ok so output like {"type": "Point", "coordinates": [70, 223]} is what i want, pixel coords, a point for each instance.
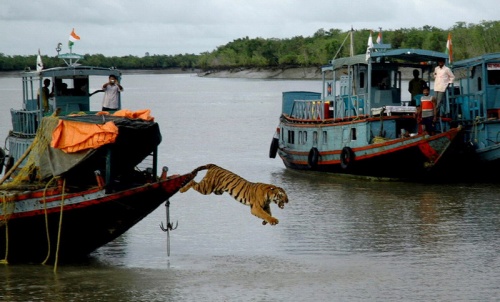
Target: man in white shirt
{"type": "Point", "coordinates": [443, 77]}
{"type": "Point", "coordinates": [111, 94]}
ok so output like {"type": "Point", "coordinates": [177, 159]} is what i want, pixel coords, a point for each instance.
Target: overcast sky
{"type": "Point", "coordinates": [134, 27]}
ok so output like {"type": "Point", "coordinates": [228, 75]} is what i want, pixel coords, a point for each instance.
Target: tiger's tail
{"type": "Point", "coordinates": [204, 167]}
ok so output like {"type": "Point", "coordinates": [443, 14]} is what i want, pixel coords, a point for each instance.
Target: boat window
{"type": "Point", "coordinates": [302, 137]}
{"type": "Point", "coordinates": [315, 138]}
{"type": "Point", "coordinates": [381, 79]}
{"type": "Point", "coordinates": [494, 77]}
{"type": "Point", "coordinates": [353, 134]}
{"type": "Point", "coordinates": [361, 80]}
{"type": "Point", "coordinates": [291, 137]}
{"type": "Point", "coordinates": [325, 140]}
{"type": "Point", "coordinates": [63, 86]}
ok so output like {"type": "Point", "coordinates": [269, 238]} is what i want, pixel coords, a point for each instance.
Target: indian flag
{"type": "Point", "coordinates": [449, 48]}
{"type": "Point", "coordinates": [72, 38]}
{"type": "Point", "coordinates": [379, 38]}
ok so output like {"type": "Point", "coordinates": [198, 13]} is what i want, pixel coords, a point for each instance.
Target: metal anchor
{"type": "Point", "coordinates": [169, 227]}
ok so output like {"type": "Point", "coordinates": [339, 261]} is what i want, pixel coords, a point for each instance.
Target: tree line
{"type": "Point", "coordinates": [468, 40]}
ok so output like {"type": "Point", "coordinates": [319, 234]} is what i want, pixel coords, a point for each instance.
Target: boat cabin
{"type": "Point", "coordinates": [478, 91]}
{"type": "Point", "coordinates": [70, 93]}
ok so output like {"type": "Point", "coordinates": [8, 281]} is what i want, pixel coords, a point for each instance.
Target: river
{"type": "Point", "coordinates": [339, 239]}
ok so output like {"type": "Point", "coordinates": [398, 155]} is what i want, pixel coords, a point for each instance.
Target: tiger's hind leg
{"type": "Point", "coordinates": [188, 186]}
{"type": "Point", "coordinates": [202, 187]}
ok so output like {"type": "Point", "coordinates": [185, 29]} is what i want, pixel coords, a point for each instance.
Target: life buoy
{"type": "Point", "coordinates": [274, 148]}
{"type": "Point", "coordinates": [346, 158]}
{"type": "Point", "coordinates": [312, 158]}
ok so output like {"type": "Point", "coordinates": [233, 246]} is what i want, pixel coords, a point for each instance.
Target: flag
{"type": "Point", "coordinates": [379, 38]}
{"type": "Point", "coordinates": [370, 46]}
{"type": "Point", "coordinates": [39, 63]}
{"type": "Point", "coordinates": [370, 40]}
{"type": "Point", "coordinates": [72, 38]}
{"type": "Point", "coordinates": [449, 48]}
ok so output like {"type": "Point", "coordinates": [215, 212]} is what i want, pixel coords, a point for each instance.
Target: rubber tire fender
{"type": "Point", "coordinates": [346, 158]}
{"type": "Point", "coordinates": [313, 157]}
{"type": "Point", "coordinates": [273, 149]}
{"type": "Point", "coordinates": [2, 160]}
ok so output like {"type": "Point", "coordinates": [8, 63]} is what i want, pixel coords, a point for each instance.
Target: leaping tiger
{"type": "Point", "coordinates": [256, 195]}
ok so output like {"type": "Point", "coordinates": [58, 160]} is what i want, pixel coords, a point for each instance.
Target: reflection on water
{"type": "Point", "coordinates": [339, 238]}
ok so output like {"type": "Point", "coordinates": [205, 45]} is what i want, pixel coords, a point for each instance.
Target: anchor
{"type": "Point", "coordinates": [169, 227]}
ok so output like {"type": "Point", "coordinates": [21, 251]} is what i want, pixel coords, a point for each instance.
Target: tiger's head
{"type": "Point", "coordinates": [278, 196]}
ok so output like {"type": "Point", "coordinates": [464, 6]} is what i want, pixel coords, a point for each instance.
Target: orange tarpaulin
{"type": "Point", "coordinates": [71, 136]}
{"type": "Point", "coordinates": [144, 114]}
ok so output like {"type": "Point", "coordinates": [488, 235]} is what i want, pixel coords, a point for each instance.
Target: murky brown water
{"type": "Point", "coordinates": [339, 239]}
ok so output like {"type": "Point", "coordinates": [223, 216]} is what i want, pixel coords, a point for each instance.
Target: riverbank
{"type": "Point", "coordinates": [300, 73]}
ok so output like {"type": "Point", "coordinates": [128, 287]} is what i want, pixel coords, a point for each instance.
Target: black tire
{"type": "Point", "coordinates": [312, 158]}
{"type": "Point", "coordinates": [2, 160]}
{"type": "Point", "coordinates": [9, 163]}
{"type": "Point", "coordinates": [274, 148]}
{"type": "Point", "coordinates": [346, 158]}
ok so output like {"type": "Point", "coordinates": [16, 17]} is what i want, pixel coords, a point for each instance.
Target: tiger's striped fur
{"type": "Point", "coordinates": [256, 195]}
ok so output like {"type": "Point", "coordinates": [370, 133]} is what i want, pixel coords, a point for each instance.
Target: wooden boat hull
{"type": "Point", "coordinates": [409, 157]}
{"type": "Point", "coordinates": [86, 220]}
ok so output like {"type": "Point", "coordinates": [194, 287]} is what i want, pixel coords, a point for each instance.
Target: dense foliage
{"type": "Point", "coordinates": [468, 40]}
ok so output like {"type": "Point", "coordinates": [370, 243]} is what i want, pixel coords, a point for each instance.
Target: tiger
{"type": "Point", "coordinates": [256, 195]}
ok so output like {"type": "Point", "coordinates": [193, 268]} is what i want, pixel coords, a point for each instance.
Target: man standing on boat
{"type": "Point", "coordinates": [45, 95]}
{"type": "Point", "coordinates": [443, 77]}
{"type": "Point", "coordinates": [415, 86]}
{"type": "Point", "coordinates": [112, 91]}
{"type": "Point", "coordinates": [427, 111]}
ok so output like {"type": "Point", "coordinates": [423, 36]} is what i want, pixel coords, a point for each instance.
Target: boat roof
{"type": "Point", "coordinates": [404, 54]}
{"type": "Point", "coordinates": [68, 71]}
{"type": "Point", "coordinates": [486, 58]}
{"type": "Point", "coordinates": [411, 54]}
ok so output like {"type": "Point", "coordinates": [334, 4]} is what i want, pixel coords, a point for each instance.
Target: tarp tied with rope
{"type": "Point", "coordinates": [72, 145]}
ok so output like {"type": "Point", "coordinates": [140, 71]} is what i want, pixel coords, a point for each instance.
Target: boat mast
{"type": "Point", "coordinates": [351, 50]}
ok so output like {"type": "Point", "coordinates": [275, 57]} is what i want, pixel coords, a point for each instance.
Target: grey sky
{"type": "Point", "coordinates": [134, 27]}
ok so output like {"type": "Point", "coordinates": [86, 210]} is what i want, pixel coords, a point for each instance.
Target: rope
{"type": "Point", "coordinates": [60, 226]}
{"type": "Point", "coordinates": [4, 260]}
{"type": "Point", "coordinates": [47, 219]}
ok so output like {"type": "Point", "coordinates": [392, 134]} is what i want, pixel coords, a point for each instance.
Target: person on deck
{"type": "Point", "coordinates": [427, 111]}
{"type": "Point", "coordinates": [112, 91]}
{"type": "Point", "coordinates": [45, 95]}
{"type": "Point", "coordinates": [443, 77]}
{"type": "Point", "coordinates": [416, 86]}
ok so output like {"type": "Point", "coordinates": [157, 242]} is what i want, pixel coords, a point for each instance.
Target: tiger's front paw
{"type": "Point", "coordinates": [272, 221]}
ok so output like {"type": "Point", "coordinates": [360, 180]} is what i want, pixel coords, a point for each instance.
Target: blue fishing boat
{"type": "Point", "coordinates": [475, 104]}
{"type": "Point", "coordinates": [360, 123]}
{"type": "Point", "coordinates": [74, 179]}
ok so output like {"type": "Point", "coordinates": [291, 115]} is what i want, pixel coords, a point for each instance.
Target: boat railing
{"type": "Point", "coordinates": [350, 106]}
{"type": "Point", "coordinates": [310, 109]}
{"type": "Point", "coordinates": [468, 107]}
{"type": "Point", "coordinates": [338, 107]}
{"type": "Point", "coordinates": [24, 122]}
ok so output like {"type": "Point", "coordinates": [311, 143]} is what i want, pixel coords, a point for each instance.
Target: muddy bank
{"type": "Point", "coordinates": [312, 73]}
{"type": "Point", "coordinates": [260, 73]}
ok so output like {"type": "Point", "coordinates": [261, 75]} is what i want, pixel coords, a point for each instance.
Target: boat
{"type": "Point", "coordinates": [360, 123]}
{"type": "Point", "coordinates": [475, 104]}
{"type": "Point", "coordinates": [75, 179]}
